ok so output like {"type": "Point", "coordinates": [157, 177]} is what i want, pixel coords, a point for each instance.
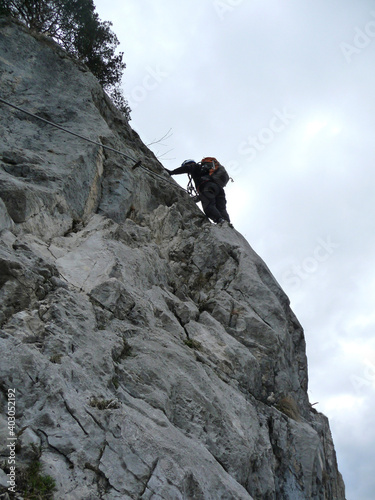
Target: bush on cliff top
{"type": "Point", "coordinates": [76, 26]}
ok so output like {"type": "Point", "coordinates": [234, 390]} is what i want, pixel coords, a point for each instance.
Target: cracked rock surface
{"type": "Point", "coordinates": [153, 354]}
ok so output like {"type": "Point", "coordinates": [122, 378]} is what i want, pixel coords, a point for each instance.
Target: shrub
{"type": "Point", "coordinates": [193, 344]}
{"type": "Point", "coordinates": [288, 406]}
{"type": "Point", "coordinates": [56, 358]}
{"type": "Point", "coordinates": [104, 404]}
{"type": "Point", "coordinates": [35, 485]}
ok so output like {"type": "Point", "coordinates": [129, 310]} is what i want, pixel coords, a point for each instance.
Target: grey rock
{"type": "Point", "coordinates": [153, 354]}
{"type": "Point", "coordinates": [113, 296]}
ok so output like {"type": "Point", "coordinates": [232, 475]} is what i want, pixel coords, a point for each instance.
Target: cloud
{"type": "Point", "coordinates": [218, 74]}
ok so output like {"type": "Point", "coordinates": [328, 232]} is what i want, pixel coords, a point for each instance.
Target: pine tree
{"type": "Point", "coordinates": [76, 26]}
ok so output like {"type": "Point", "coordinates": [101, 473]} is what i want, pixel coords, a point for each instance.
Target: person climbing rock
{"type": "Point", "coordinates": [209, 178]}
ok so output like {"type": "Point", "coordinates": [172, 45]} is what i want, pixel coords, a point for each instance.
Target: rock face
{"type": "Point", "coordinates": [152, 353]}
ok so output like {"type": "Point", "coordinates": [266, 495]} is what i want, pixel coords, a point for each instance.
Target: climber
{"type": "Point", "coordinates": [209, 178]}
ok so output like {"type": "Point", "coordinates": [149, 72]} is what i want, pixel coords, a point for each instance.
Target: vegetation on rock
{"type": "Point", "coordinates": [76, 26]}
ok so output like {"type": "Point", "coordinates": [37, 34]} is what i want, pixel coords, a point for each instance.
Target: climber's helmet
{"type": "Point", "coordinates": [187, 162]}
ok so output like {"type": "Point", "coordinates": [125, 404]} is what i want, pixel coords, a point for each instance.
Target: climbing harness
{"type": "Point", "coordinates": [192, 192]}
{"type": "Point", "coordinates": [137, 164]}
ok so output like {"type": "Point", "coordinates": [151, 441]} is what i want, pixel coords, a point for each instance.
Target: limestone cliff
{"type": "Point", "coordinates": [152, 353]}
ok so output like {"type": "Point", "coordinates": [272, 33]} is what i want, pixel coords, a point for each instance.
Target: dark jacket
{"type": "Point", "coordinates": [211, 194]}
{"type": "Point", "coordinates": [194, 170]}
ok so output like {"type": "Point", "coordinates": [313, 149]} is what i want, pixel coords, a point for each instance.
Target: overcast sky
{"type": "Point", "coordinates": [282, 93]}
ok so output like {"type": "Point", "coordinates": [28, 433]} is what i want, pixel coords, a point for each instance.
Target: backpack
{"type": "Point", "coordinates": [214, 171]}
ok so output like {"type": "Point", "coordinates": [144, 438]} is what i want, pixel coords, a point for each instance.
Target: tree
{"type": "Point", "coordinates": [76, 26]}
